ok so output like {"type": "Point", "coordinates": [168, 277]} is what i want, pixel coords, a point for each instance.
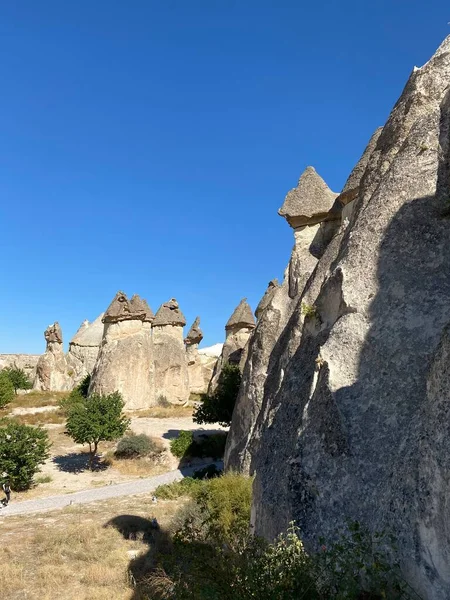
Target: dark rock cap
{"type": "Point", "coordinates": [309, 202]}
{"type": "Point", "coordinates": [241, 317]}
{"type": "Point", "coordinates": [169, 313]}
{"type": "Point", "coordinates": [53, 333]}
{"type": "Point", "coordinates": [122, 309]}
{"type": "Point", "coordinates": [195, 334]}
{"type": "Point", "coordinates": [265, 300]}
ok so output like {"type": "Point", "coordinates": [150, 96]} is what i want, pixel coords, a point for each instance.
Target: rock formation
{"type": "Point", "coordinates": [303, 208]}
{"type": "Point", "coordinates": [200, 366]}
{"type": "Point", "coordinates": [27, 362]}
{"type": "Point", "coordinates": [171, 365]}
{"type": "Point", "coordinates": [84, 348]}
{"type": "Point", "coordinates": [352, 420]}
{"type": "Point", "coordinates": [52, 371]}
{"type": "Point", "coordinates": [237, 332]}
{"type": "Point", "coordinates": [125, 359]}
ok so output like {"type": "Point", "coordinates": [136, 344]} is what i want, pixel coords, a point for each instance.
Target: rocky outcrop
{"type": "Point", "coordinates": [52, 371]}
{"type": "Point", "coordinates": [27, 362]}
{"type": "Point", "coordinates": [352, 422]}
{"type": "Point", "coordinates": [312, 199]}
{"type": "Point", "coordinates": [125, 359]}
{"type": "Point", "coordinates": [171, 365]}
{"type": "Point", "coordinates": [200, 366]}
{"type": "Point", "coordinates": [237, 332]}
{"type": "Point", "coordinates": [84, 348]}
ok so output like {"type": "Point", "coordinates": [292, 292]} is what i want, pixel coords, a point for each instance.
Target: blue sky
{"type": "Point", "coordinates": [147, 146]}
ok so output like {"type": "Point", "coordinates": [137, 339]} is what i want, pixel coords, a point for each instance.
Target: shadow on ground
{"type": "Point", "coordinates": [133, 527]}
{"type": "Point", "coordinates": [77, 462]}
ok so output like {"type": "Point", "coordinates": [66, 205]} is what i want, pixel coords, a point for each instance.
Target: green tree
{"type": "Point", "coordinates": [22, 450]}
{"type": "Point", "coordinates": [77, 395]}
{"type": "Point", "coordinates": [218, 408]}
{"type": "Point", "coordinates": [6, 389]}
{"type": "Point", "coordinates": [18, 378]}
{"type": "Point", "coordinates": [96, 419]}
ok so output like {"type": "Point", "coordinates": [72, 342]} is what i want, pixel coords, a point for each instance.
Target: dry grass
{"type": "Point", "coordinates": [36, 399]}
{"type": "Point", "coordinates": [42, 418]}
{"type": "Point", "coordinates": [162, 412]}
{"type": "Point", "coordinates": [71, 554]}
{"type": "Point", "coordinates": [137, 467]}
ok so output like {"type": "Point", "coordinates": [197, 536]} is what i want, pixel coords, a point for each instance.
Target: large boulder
{"type": "Point", "coordinates": [125, 358]}
{"type": "Point", "coordinates": [84, 348]}
{"type": "Point", "coordinates": [52, 371]}
{"type": "Point", "coordinates": [353, 423]}
{"type": "Point", "coordinates": [171, 365]}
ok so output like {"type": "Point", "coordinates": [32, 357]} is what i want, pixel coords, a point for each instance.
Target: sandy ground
{"type": "Point", "coordinates": [67, 466]}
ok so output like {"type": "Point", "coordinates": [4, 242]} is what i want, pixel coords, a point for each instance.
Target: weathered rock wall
{"type": "Point", "coordinates": [354, 412]}
{"type": "Point", "coordinates": [171, 370]}
{"type": "Point", "coordinates": [125, 363]}
{"type": "Point", "coordinates": [27, 362]}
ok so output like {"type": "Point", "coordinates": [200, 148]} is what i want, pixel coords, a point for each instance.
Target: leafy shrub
{"type": "Point", "coordinates": [218, 408]}
{"type": "Point", "coordinates": [309, 311]}
{"type": "Point", "coordinates": [77, 395]}
{"type": "Point", "coordinates": [22, 450]}
{"type": "Point", "coordinates": [134, 446]}
{"type": "Point", "coordinates": [18, 378]}
{"type": "Point", "coordinates": [83, 386]}
{"type": "Point", "coordinates": [179, 446]}
{"type": "Point", "coordinates": [172, 491]}
{"type": "Point", "coordinates": [95, 419]}
{"type": "Point", "coordinates": [211, 446]}
{"type": "Point", "coordinates": [6, 389]}
{"type": "Point", "coordinates": [185, 446]}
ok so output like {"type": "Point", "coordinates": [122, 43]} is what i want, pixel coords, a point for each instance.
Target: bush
{"type": "Point", "coordinates": [184, 446]}
{"type": "Point", "coordinates": [180, 445]}
{"type": "Point", "coordinates": [95, 419]}
{"type": "Point", "coordinates": [6, 389]}
{"type": "Point", "coordinates": [18, 378]}
{"type": "Point", "coordinates": [218, 408]}
{"type": "Point", "coordinates": [83, 386]}
{"type": "Point", "coordinates": [136, 446]}
{"type": "Point", "coordinates": [22, 450]}
{"type": "Point", "coordinates": [172, 491]}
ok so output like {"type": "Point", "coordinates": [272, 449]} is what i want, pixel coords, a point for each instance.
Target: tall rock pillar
{"type": "Point", "coordinates": [125, 359]}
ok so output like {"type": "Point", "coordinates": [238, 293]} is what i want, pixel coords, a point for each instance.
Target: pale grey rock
{"type": "Point", "coordinates": [125, 359]}
{"type": "Point", "coordinates": [27, 362]}
{"type": "Point", "coordinates": [310, 202]}
{"type": "Point", "coordinates": [52, 371]}
{"type": "Point", "coordinates": [355, 408]}
{"type": "Point", "coordinates": [84, 348]}
{"type": "Point", "coordinates": [238, 330]}
{"type": "Point", "coordinates": [171, 363]}
{"type": "Point", "coordinates": [266, 299]}
{"type": "Point", "coordinates": [200, 366]}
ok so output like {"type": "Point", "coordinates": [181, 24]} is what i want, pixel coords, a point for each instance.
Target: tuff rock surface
{"type": "Point", "coordinates": [27, 362]}
{"type": "Point", "coordinates": [52, 371]}
{"type": "Point", "coordinates": [171, 364]}
{"type": "Point", "coordinates": [200, 366]}
{"type": "Point", "coordinates": [84, 347]}
{"type": "Point", "coordinates": [125, 359]}
{"type": "Point", "coordinates": [353, 419]}
{"type": "Point", "coordinates": [238, 330]}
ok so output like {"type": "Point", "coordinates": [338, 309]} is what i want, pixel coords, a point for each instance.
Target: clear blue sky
{"type": "Point", "coordinates": [147, 145]}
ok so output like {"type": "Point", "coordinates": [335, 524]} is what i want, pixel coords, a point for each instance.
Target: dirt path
{"type": "Point", "coordinates": [130, 488]}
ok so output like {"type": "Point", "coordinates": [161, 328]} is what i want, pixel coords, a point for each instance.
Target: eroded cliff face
{"type": "Point", "coordinates": [125, 359]}
{"type": "Point", "coordinates": [352, 421]}
{"type": "Point", "coordinates": [52, 371]}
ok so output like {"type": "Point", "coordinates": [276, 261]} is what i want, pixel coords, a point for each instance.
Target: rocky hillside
{"type": "Point", "coordinates": [344, 406]}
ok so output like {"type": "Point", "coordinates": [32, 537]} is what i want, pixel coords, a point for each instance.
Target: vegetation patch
{"type": "Point", "coordinates": [219, 406]}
